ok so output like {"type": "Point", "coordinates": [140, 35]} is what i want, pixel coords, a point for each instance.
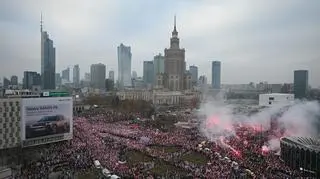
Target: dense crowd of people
{"type": "Point", "coordinates": [102, 135]}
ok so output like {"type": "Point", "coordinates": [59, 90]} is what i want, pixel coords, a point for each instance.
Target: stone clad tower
{"type": "Point", "coordinates": [175, 65]}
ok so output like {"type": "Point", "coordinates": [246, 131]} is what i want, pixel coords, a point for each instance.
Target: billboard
{"type": "Point", "coordinates": [46, 120]}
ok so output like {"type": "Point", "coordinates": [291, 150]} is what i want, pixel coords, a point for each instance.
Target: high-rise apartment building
{"type": "Point", "coordinates": [31, 79]}
{"type": "Point", "coordinates": [98, 76]}
{"type": "Point", "coordinates": [216, 75]}
{"type": "Point", "coordinates": [48, 61]}
{"type": "Point", "coordinates": [194, 75]}
{"type": "Point", "coordinates": [14, 80]}
{"type": "Point", "coordinates": [301, 83]}
{"type": "Point", "coordinates": [111, 75]}
{"type": "Point", "coordinates": [124, 66]}
{"type": "Point", "coordinates": [148, 73]}
{"type": "Point", "coordinates": [76, 76]}
{"type": "Point", "coordinates": [175, 65]}
{"type": "Point", "coordinates": [66, 74]}
{"type": "Point", "coordinates": [158, 65]}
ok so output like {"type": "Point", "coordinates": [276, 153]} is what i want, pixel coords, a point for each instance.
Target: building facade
{"type": "Point", "coordinates": [158, 66]}
{"type": "Point", "coordinates": [66, 74]}
{"type": "Point", "coordinates": [14, 80]}
{"type": "Point", "coordinates": [58, 79]}
{"type": "Point", "coordinates": [98, 76]}
{"type": "Point", "coordinates": [48, 62]}
{"type": "Point", "coordinates": [194, 75]}
{"type": "Point", "coordinates": [111, 75]}
{"type": "Point", "coordinates": [10, 123]}
{"type": "Point", "coordinates": [76, 76]}
{"type": "Point", "coordinates": [216, 75]}
{"type": "Point", "coordinates": [301, 83]}
{"type": "Point", "coordinates": [124, 66]}
{"type": "Point", "coordinates": [148, 73]}
{"type": "Point", "coordinates": [31, 79]}
{"type": "Point", "coordinates": [175, 65]}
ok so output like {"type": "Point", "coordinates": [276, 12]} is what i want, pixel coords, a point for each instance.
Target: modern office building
{"type": "Point", "coordinates": [158, 65]}
{"type": "Point", "coordinates": [111, 75]}
{"type": "Point", "coordinates": [216, 75]}
{"type": "Point", "coordinates": [134, 75]}
{"type": "Point", "coordinates": [87, 77]}
{"type": "Point", "coordinates": [202, 81]}
{"type": "Point", "coordinates": [76, 76]}
{"type": "Point", "coordinates": [48, 61]}
{"type": "Point", "coordinates": [98, 76]}
{"type": "Point", "coordinates": [175, 65]}
{"type": "Point", "coordinates": [148, 73]}
{"type": "Point", "coordinates": [194, 75]}
{"type": "Point", "coordinates": [301, 83]}
{"type": "Point", "coordinates": [6, 83]}
{"type": "Point", "coordinates": [124, 66]}
{"type": "Point", "coordinates": [30, 79]}
{"type": "Point", "coordinates": [14, 80]}
{"type": "Point", "coordinates": [58, 79]}
{"type": "Point", "coordinates": [66, 74]}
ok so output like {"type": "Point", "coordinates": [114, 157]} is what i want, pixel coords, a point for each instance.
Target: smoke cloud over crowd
{"type": "Point", "coordinates": [298, 119]}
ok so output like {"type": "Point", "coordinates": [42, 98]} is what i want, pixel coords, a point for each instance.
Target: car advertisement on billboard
{"type": "Point", "coordinates": [46, 120]}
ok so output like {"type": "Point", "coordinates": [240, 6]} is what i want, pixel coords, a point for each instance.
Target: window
{"type": "Point", "coordinates": [11, 114]}
{"type": "Point", "coordinates": [6, 109]}
{"type": "Point", "coordinates": [1, 142]}
{"type": "Point", "coordinates": [12, 108]}
{"type": "Point", "coordinates": [0, 131]}
{"type": "Point", "coordinates": [10, 103]}
{"type": "Point", "coordinates": [271, 98]}
{"type": "Point", "coordinates": [0, 109]}
{"type": "Point", "coordinates": [270, 102]}
{"type": "Point", "coordinates": [0, 119]}
{"type": "Point", "coordinates": [4, 114]}
{"type": "Point", "coordinates": [17, 103]}
{"type": "Point", "coordinates": [4, 103]}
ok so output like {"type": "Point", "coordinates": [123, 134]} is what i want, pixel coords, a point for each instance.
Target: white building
{"type": "Point", "coordinates": [275, 98]}
{"type": "Point", "coordinates": [124, 66]}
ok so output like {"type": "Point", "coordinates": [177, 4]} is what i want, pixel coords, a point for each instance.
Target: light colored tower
{"type": "Point", "coordinates": [76, 76]}
{"type": "Point", "coordinates": [216, 75]}
{"type": "Point", "coordinates": [98, 76]}
{"type": "Point", "coordinates": [124, 66]}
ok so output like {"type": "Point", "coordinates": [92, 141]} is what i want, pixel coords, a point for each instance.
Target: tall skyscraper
{"type": "Point", "coordinates": [58, 79]}
{"type": "Point", "coordinates": [158, 65]}
{"type": "Point", "coordinates": [48, 61]}
{"type": "Point", "coordinates": [30, 79]}
{"type": "Point", "coordinates": [6, 83]}
{"type": "Point", "coordinates": [76, 76]}
{"type": "Point", "coordinates": [98, 76]}
{"type": "Point", "coordinates": [14, 80]}
{"type": "Point", "coordinates": [87, 77]}
{"type": "Point", "coordinates": [111, 75]}
{"type": "Point", "coordinates": [124, 66]}
{"type": "Point", "coordinates": [194, 75]}
{"type": "Point", "coordinates": [175, 65]}
{"type": "Point", "coordinates": [134, 75]}
{"type": "Point", "coordinates": [66, 74]}
{"type": "Point", "coordinates": [301, 82]}
{"type": "Point", "coordinates": [216, 75]}
{"type": "Point", "coordinates": [148, 73]}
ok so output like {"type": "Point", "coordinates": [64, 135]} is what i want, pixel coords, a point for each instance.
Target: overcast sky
{"type": "Point", "coordinates": [256, 40]}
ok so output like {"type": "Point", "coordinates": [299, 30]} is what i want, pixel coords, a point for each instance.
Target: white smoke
{"type": "Point", "coordinates": [299, 119]}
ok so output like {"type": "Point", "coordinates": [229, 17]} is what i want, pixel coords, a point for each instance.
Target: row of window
{"type": "Point", "coordinates": [6, 141]}
{"type": "Point", "coordinates": [6, 109]}
{"type": "Point", "coordinates": [10, 114]}
{"type": "Point", "coordinates": [11, 103]}
{"type": "Point", "coordinates": [6, 120]}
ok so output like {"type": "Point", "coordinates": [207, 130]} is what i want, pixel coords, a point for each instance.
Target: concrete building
{"type": "Point", "coordinates": [158, 66]}
{"type": "Point", "coordinates": [272, 99]}
{"type": "Point", "coordinates": [14, 80]}
{"type": "Point", "coordinates": [48, 61]}
{"type": "Point", "coordinates": [10, 123]}
{"type": "Point", "coordinates": [138, 83]}
{"type": "Point", "coordinates": [58, 80]}
{"type": "Point", "coordinates": [111, 75]}
{"type": "Point", "coordinates": [76, 76]}
{"type": "Point", "coordinates": [98, 76]}
{"type": "Point", "coordinates": [194, 75]}
{"type": "Point", "coordinates": [124, 66]}
{"type": "Point", "coordinates": [216, 75]}
{"type": "Point", "coordinates": [6, 83]}
{"type": "Point", "coordinates": [187, 81]}
{"type": "Point", "coordinates": [66, 74]}
{"type": "Point", "coordinates": [203, 81]}
{"type": "Point", "coordinates": [148, 73]}
{"type": "Point", "coordinates": [175, 65]}
{"type": "Point", "coordinates": [31, 79]}
{"type": "Point", "coordinates": [301, 83]}
{"type": "Point", "coordinates": [134, 75]}
{"type": "Point", "coordinates": [87, 77]}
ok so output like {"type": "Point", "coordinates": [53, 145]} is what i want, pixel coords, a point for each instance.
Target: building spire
{"type": "Point", "coordinates": [175, 32]}
{"type": "Point", "coordinates": [175, 27]}
{"type": "Point", "coordinates": [41, 22]}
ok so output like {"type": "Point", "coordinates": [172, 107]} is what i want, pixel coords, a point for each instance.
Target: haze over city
{"type": "Point", "coordinates": [254, 40]}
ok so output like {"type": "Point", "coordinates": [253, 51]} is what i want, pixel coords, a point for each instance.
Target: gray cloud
{"type": "Point", "coordinates": [255, 40]}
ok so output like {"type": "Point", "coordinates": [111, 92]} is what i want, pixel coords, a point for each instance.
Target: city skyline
{"type": "Point", "coordinates": [251, 36]}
